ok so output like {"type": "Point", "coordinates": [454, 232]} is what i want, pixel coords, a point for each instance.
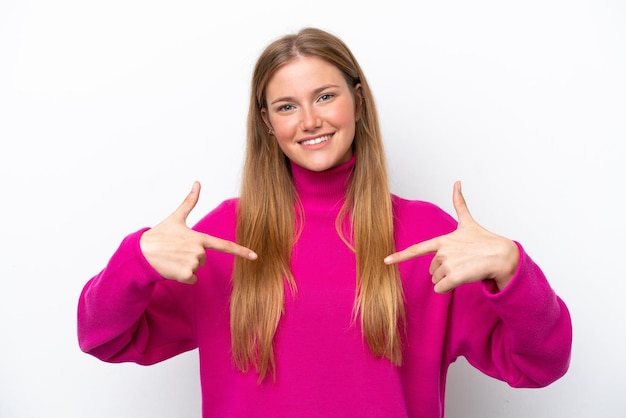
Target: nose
{"type": "Point", "coordinates": [310, 119]}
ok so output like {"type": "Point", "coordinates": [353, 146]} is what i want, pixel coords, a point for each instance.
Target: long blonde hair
{"type": "Point", "coordinates": [268, 210]}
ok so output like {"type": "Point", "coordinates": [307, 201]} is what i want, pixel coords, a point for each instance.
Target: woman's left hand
{"type": "Point", "coordinates": [469, 254]}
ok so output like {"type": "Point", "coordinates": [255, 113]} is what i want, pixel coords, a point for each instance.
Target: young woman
{"type": "Point", "coordinates": [301, 303]}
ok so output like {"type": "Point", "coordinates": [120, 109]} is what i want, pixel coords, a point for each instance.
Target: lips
{"type": "Point", "coordinates": [317, 140]}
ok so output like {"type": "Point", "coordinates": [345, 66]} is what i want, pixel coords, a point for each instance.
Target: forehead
{"type": "Point", "coordinates": [303, 75]}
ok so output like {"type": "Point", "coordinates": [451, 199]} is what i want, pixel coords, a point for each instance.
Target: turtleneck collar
{"type": "Point", "coordinates": [323, 190]}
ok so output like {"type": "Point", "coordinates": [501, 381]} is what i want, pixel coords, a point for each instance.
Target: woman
{"type": "Point", "coordinates": [300, 304]}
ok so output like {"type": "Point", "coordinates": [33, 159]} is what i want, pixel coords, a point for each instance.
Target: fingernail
{"type": "Point", "coordinates": [252, 255]}
{"type": "Point", "coordinates": [388, 260]}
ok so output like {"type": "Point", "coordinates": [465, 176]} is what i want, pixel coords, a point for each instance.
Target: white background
{"type": "Point", "coordinates": [110, 110]}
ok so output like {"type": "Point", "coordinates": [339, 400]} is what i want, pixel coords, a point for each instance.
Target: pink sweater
{"type": "Point", "coordinates": [521, 335]}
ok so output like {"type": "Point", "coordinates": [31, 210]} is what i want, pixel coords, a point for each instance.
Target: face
{"type": "Point", "coordinates": [311, 111]}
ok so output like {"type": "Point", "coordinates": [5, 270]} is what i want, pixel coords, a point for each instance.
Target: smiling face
{"type": "Point", "coordinates": [312, 112]}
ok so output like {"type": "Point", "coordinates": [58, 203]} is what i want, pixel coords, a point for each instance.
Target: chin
{"type": "Point", "coordinates": [320, 166]}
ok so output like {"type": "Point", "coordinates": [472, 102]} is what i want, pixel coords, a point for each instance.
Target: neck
{"type": "Point", "coordinates": [323, 190]}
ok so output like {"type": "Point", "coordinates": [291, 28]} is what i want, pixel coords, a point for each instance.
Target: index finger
{"type": "Point", "coordinates": [416, 250]}
{"type": "Point", "coordinates": [225, 246]}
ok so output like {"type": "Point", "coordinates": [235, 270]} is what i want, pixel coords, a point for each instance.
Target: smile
{"type": "Point", "coordinates": [316, 140]}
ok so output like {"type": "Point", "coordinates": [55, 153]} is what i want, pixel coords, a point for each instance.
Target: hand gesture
{"type": "Point", "coordinates": [176, 251]}
{"type": "Point", "coordinates": [469, 254]}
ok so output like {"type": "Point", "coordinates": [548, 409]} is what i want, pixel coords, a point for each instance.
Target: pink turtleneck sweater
{"type": "Point", "coordinates": [521, 335]}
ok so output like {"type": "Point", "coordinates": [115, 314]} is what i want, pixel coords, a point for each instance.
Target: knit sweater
{"type": "Point", "coordinates": [324, 368]}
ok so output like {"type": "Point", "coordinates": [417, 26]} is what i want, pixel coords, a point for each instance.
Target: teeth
{"type": "Point", "coordinates": [316, 140]}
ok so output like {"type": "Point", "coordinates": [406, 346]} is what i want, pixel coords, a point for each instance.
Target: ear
{"type": "Point", "coordinates": [266, 118]}
{"type": "Point", "coordinates": [358, 102]}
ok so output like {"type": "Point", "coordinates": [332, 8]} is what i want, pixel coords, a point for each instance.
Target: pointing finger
{"type": "Point", "coordinates": [417, 250]}
{"type": "Point", "coordinates": [225, 246]}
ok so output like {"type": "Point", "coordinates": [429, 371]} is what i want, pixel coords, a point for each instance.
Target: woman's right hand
{"type": "Point", "coordinates": [176, 251]}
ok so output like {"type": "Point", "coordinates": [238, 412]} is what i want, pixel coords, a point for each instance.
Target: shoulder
{"type": "Point", "coordinates": [220, 221]}
{"type": "Point", "coordinates": [421, 218]}
{"type": "Point", "coordinates": [426, 211]}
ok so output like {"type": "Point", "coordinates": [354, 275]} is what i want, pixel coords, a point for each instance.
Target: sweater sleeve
{"type": "Point", "coordinates": [128, 312]}
{"type": "Point", "coordinates": [521, 334]}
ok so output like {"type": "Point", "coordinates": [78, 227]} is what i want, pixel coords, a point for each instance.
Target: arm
{"type": "Point", "coordinates": [521, 334]}
{"type": "Point", "coordinates": [503, 315]}
{"type": "Point", "coordinates": [128, 312]}
{"type": "Point", "coordinates": [139, 307]}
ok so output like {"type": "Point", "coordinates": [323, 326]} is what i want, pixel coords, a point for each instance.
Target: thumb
{"type": "Point", "coordinates": [460, 206]}
{"type": "Point", "coordinates": [185, 208]}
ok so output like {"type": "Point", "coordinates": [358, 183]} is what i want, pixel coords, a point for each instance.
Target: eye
{"type": "Point", "coordinates": [285, 108]}
{"type": "Point", "coordinates": [326, 97]}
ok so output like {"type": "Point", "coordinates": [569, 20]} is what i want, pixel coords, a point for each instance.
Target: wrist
{"type": "Point", "coordinates": [510, 259]}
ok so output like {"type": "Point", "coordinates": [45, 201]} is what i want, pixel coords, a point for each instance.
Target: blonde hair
{"type": "Point", "coordinates": [268, 210]}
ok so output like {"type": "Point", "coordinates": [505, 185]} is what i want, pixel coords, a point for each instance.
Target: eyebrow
{"type": "Point", "coordinates": [315, 92]}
